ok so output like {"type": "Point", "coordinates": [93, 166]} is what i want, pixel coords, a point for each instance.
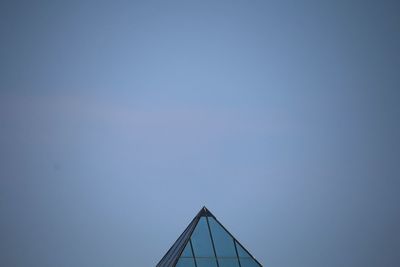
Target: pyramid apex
{"type": "Point", "coordinates": [204, 212]}
{"type": "Point", "coordinates": [194, 239]}
{"type": "Point", "coordinates": [205, 232]}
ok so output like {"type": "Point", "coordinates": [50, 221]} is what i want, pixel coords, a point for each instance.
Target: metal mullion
{"type": "Point", "coordinates": [212, 241]}
{"type": "Point", "coordinates": [251, 256]}
{"type": "Point", "coordinates": [237, 254]}
{"type": "Point", "coordinates": [191, 247]}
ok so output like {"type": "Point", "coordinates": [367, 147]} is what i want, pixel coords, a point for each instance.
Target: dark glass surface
{"type": "Point", "coordinates": [206, 262]}
{"type": "Point", "coordinates": [223, 241]}
{"type": "Point", "coordinates": [228, 262]}
{"type": "Point", "coordinates": [201, 240]}
{"type": "Point", "coordinates": [248, 262]}
{"type": "Point", "coordinates": [185, 262]}
{"type": "Point", "coordinates": [245, 259]}
{"type": "Point", "coordinates": [187, 252]}
{"type": "Point", "coordinates": [174, 252]}
{"type": "Point", "coordinates": [241, 251]}
{"type": "Point", "coordinates": [206, 243]}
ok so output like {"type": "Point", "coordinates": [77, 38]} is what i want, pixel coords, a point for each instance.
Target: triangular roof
{"type": "Point", "coordinates": [206, 243]}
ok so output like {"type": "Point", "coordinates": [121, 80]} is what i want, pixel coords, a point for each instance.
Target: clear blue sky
{"type": "Point", "coordinates": [119, 120]}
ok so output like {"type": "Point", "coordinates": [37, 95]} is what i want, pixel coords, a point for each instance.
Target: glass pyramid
{"type": "Point", "coordinates": [206, 243]}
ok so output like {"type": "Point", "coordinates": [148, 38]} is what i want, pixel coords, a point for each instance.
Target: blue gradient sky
{"type": "Point", "coordinates": [119, 120]}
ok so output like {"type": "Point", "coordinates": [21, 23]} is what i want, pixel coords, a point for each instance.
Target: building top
{"type": "Point", "coordinates": [207, 243]}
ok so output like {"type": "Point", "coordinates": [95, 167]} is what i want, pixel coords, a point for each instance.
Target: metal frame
{"type": "Point", "coordinates": [172, 256]}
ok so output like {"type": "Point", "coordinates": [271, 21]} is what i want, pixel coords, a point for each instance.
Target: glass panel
{"type": "Point", "coordinates": [206, 262]}
{"type": "Point", "coordinates": [248, 262]}
{"type": "Point", "coordinates": [185, 262]}
{"type": "Point", "coordinates": [224, 246]}
{"type": "Point", "coordinates": [241, 251]}
{"type": "Point", "coordinates": [201, 240]}
{"type": "Point", "coordinates": [187, 252]}
{"type": "Point", "coordinates": [228, 262]}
